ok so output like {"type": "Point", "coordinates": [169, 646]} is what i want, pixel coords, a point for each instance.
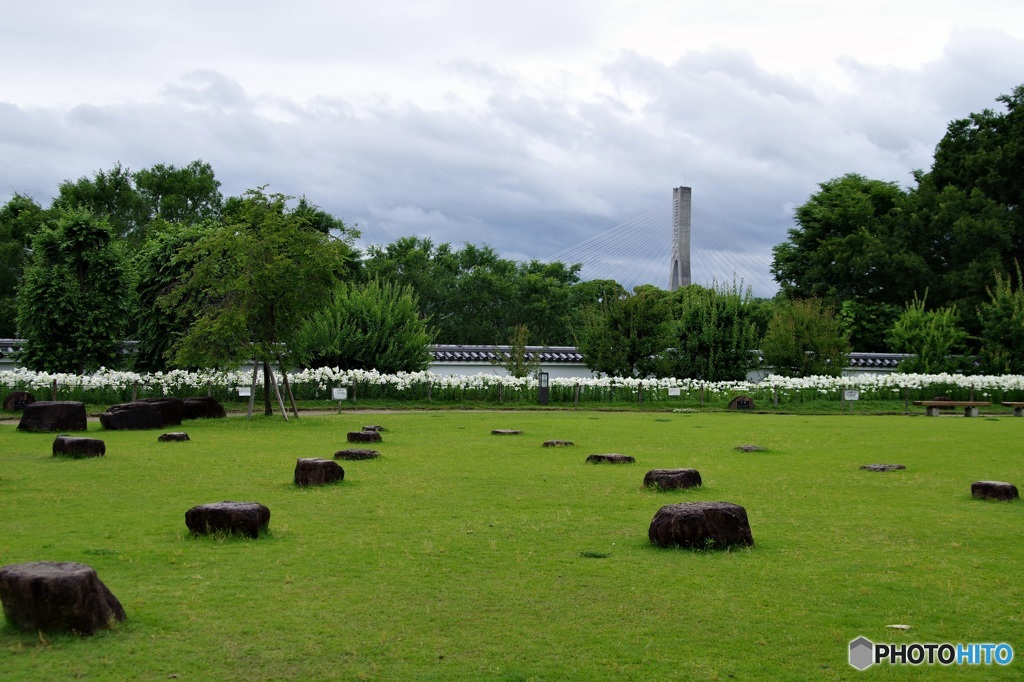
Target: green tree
{"type": "Point", "coordinates": [713, 337]}
{"type": "Point", "coordinates": [623, 335]}
{"type": "Point", "coordinates": [1002, 326]}
{"type": "Point", "coordinates": [20, 219]}
{"type": "Point", "coordinates": [74, 300]}
{"type": "Point", "coordinates": [370, 325]}
{"type": "Point", "coordinates": [257, 276]}
{"type": "Point", "coordinates": [162, 263]}
{"type": "Point", "coordinates": [110, 195]}
{"type": "Point", "coordinates": [517, 361]}
{"type": "Point", "coordinates": [186, 195]}
{"type": "Point", "coordinates": [849, 244]}
{"type": "Point", "coordinates": [804, 339]}
{"type": "Point", "coordinates": [934, 337]}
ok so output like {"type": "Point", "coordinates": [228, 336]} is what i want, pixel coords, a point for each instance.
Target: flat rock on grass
{"type": "Point", "coordinates": [883, 467]}
{"type": "Point", "coordinates": [364, 437]}
{"type": "Point", "coordinates": [558, 443]}
{"type": "Point", "coordinates": [374, 427]}
{"type": "Point", "coordinates": [672, 479]}
{"type": "Point", "coordinates": [353, 454]}
{"type": "Point", "coordinates": [701, 525]}
{"type": "Point", "coordinates": [506, 432]}
{"type": "Point", "coordinates": [174, 436]}
{"type": "Point", "coordinates": [246, 518]}
{"type": "Point", "coordinates": [750, 448]}
{"type": "Point", "coordinates": [612, 458]}
{"type": "Point", "coordinates": [54, 415]}
{"type": "Point", "coordinates": [202, 408]}
{"type": "Point", "coordinates": [994, 490]}
{"type": "Point", "coordinates": [57, 596]}
{"type": "Point", "coordinates": [78, 448]}
{"type": "Point", "coordinates": [316, 471]}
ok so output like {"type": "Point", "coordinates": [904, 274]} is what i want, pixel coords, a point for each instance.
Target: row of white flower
{"type": "Point", "coordinates": [325, 378]}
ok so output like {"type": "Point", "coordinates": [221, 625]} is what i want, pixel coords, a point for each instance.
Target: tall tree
{"type": "Point", "coordinates": [184, 195]}
{"type": "Point", "coordinates": [74, 300]}
{"type": "Point", "coordinates": [804, 339]}
{"type": "Point", "coordinates": [622, 336]}
{"type": "Point", "coordinates": [20, 219]}
{"type": "Point", "coordinates": [110, 195]}
{"type": "Point", "coordinates": [933, 337]}
{"type": "Point", "coordinates": [256, 278]}
{"type": "Point", "coordinates": [368, 325]}
{"type": "Point", "coordinates": [713, 336]}
{"type": "Point", "coordinates": [1002, 326]}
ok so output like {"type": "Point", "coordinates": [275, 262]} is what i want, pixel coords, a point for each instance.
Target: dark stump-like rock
{"type": "Point", "coordinates": [18, 401]}
{"type": "Point", "coordinates": [202, 408]}
{"type": "Point", "coordinates": [173, 437]}
{"type": "Point", "coordinates": [558, 443]}
{"type": "Point", "coordinates": [77, 448]}
{"type": "Point", "coordinates": [54, 415]}
{"type": "Point", "coordinates": [506, 432]}
{"type": "Point", "coordinates": [701, 525]}
{"type": "Point", "coordinates": [172, 409]}
{"type": "Point", "coordinates": [316, 471]}
{"type": "Point", "coordinates": [672, 479]}
{"type": "Point", "coordinates": [611, 459]}
{"type": "Point", "coordinates": [375, 427]}
{"type": "Point", "coordinates": [353, 454]}
{"type": "Point", "coordinates": [883, 467]}
{"type": "Point", "coordinates": [364, 437]}
{"type": "Point", "coordinates": [135, 416]}
{"type": "Point", "coordinates": [57, 596]}
{"type": "Point", "coordinates": [247, 518]}
{"type": "Point", "coordinates": [994, 490]}
{"type": "Point", "coordinates": [750, 448]}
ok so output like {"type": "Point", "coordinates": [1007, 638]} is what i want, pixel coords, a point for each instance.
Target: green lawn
{"type": "Point", "coordinates": [463, 555]}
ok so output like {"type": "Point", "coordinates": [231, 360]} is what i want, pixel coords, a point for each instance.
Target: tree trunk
{"type": "Point", "coordinates": [267, 409]}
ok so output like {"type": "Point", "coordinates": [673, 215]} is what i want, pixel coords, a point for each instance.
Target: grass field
{"type": "Point", "coordinates": [463, 555]}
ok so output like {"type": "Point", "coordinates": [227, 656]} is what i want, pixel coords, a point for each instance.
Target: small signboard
{"type": "Point", "coordinates": [244, 391]}
{"type": "Point", "coordinates": [851, 395]}
{"type": "Point", "coordinates": [339, 393]}
{"type": "Point", "coordinates": [673, 392]}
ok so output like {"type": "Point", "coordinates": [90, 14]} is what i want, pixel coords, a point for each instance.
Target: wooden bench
{"type": "Point", "coordinates": [932, 407]}
{"type": "Point", "coordinates": [1018, 408]}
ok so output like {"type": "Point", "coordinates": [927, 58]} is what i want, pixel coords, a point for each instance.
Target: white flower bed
{"type": "Point", "coordinates": [317, 384]}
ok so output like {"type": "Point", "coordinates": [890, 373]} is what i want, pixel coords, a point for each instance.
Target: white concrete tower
{"type": "Point", "coordinates": [679, 275]}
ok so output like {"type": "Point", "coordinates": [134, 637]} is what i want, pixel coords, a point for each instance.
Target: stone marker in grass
{"type": "Point", "coordinates": [54, 415]}
{"type": "Point", "coordinates": [701, 525]}
{"type": "Point", "coordinates": [353, 454]}
{"type": "Point", "coordinates": [316, 471]}
{"type": "Point", "coordinates": [506, 432]}
{"type": "Point", "coordinates": [202, 408]}
{"type": "Point", "coordinates": [364, 437]}
{"type": "Point", "coordinates": [612, 458]}
{"type": "Point", "coordinates": [883, 467]}
{"type": "Point", "coordinates": [18, 400]}
{"type": "Point", "coordinates": [78, 448]}
{"type": "Point", "coordinates": [994, 490]}
{"type": "Point", "coordinates": [247, 518]}
{"type": "Point", "coordinates": [57, 596]}
{"type": "Point", "coordinates": [750, 448]}
{"type": "Point", "coordinates": [173, 437]}
{"type": "Point", "coordinates": [558, 443]}
{"type": "Point", "coordinates": [672, 479]}
{"type": "Point", "coordinates": [373, 427]}
{"type": "Point", "coordinates": [134, 416]}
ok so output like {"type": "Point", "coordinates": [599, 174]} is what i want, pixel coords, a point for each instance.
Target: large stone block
{"type": "Point", "coordinates": [78, 448]}
{"type": "Point", "coordinates": [134, 416]}
{"type": "Point", "coordinates": [57, 596]}
{"type": "Point", "coordinates": [54, 415]}
{"type": "Point", "coordinates": [672, 479]}
{"type": "Point", "coordinates": [316, 471]}
{"type": "Point", "coordinates": [701, 525]}
{"type": "Point", "coordinates": [203, 408]}
{"type": "Point", "coordinates": [246, 518]}
{"type": "Point", "coordinates": [994, 490]}
{"type": "Point", "coordinates": [171, 409]}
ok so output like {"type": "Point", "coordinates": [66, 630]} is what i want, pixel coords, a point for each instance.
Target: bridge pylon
{"type": "Point", "coordinates": [679, 272]}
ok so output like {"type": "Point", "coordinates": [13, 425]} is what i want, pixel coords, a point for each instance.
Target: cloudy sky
{"type": "Point", "coordinates": [529, 126]}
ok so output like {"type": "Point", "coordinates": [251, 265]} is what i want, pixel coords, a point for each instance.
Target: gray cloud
{"type": "Point", "coordinates": [531, 168]}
